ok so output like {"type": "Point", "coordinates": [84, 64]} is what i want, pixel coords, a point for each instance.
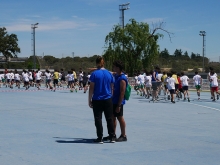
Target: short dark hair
{"type": "Point", "coordinates": [119, 64]}
{"type": "Point", "coordinates": [196, 72]}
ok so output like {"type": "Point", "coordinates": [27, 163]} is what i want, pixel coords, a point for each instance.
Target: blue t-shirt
{"type": "Point", "coordinates": [116, 92]}
{"type": "Point", "coordinates": [156, 73]}
{"type": "Point", "coordinates": [103, 80]}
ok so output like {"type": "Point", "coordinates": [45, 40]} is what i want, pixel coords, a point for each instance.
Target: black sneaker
{"type": "Point", "coordinates": [107, 138]}
{"type": "Point", "coordinates": [217, 97]}
{"type": "Point", "coordinates": [112, 139]}
{"type": "Point", "coordinates": [188, 100]}
{"type": "Point", "coordinates": [213, 100]}
{"type": "Point", "coordinates": [122, 139]}
{"type": "Point", "coordinates": [173, 102]}
{"type": "Point", "coordinates": [98, 140]}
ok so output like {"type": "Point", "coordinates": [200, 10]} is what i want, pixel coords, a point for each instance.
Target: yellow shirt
{"type": "Point", "coordinates": [74, 74]}
{"type": "Point", "coordinates": [175, 77]}
{"type": "Point", "coordinates": [56, 75]}
{"type": "Point", "coordinates": [163, 78]}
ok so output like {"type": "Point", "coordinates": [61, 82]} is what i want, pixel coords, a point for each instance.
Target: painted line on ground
{"type": "Point", "coordinates": [205, 106]}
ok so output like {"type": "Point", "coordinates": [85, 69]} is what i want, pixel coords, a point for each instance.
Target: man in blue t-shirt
{"type": "Point", "coordinates": [118, 99]}
{"type": "Point", "coordinates": [100, 99]}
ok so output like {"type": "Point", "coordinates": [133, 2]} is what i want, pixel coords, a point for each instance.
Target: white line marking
{"type": "Point", "coordinates": [206, 107]}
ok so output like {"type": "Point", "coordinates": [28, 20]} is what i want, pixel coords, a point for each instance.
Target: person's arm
{"type": "Point", "coordinates": [154, 76]}
{"type": "Point", "coordinates": [122, 94]}
{"type": "Point", "coordinates": [91, 90]}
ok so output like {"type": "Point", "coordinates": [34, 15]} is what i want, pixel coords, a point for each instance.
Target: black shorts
{"type": "Point", "coordinates": [185, 88]}
{"type": "Point", "coordinates": [176, 87]}
{"type": "Point", "coordinates": [8, 80]}
{"type": "Point", "coordinates": [88, 83]}
{"type": "Point", "coordinates": [115, 113]}
{"type": "Point", "coordinates": [63, 79]}
{"type": "Point", "coordinates": [181, 90]}
{"type": "Point", "coordinates": [55, 81]}
{"type": "Point", "coordinates": [84, 84]}
{"type": "Point", "coordinates": [172, 91]}
{"type": "Point", "coordinates": [48, 81]}
{"type": "Point", "coordinates": [17, 81]}
{"type": "Point", "coordinates": [38, 81]}
{"type": "Point", "coordinates": [75, 80]}
{"type": "Point", "coordinates": [165, 86]}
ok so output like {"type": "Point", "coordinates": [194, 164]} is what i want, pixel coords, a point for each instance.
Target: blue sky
{"type": "Point", "coordinates": [80, 26]}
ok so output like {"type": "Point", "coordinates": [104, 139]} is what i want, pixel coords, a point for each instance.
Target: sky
{"type": "Point", "coordinates": [80, 26]}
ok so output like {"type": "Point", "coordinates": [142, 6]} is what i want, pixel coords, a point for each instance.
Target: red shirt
{"type": "Point", "coordinates": [180, 84]}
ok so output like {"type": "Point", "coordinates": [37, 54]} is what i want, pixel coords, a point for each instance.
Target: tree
{"type": "Point", "coordinates": [8, 44]}
{"type": "Point", "coordinates": [136, 45]}
{"type": "Point", "coordinates": [165, 53]}
{"type": "Point", "coordinates": [178, 53]}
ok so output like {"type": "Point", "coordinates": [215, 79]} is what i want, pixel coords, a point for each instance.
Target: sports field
{"type": "Point", "coordinates": [57, 128]}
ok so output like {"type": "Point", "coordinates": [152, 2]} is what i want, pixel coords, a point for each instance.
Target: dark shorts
{"type": "Point", "coordinates": [63, 79]}
{"type": "Point", "coordinates": [17, 81]}
{"type": "Point", "coordinates": [88, 83]}
{"type": "Point", "coordinates": [55, 81]}
{"type": "Point", "coordinates": [165, 86]}
{"type": "Point", "coordinates": [181, 90]}
{"type": "Point", "coordinates": [185, 88]}
{"type": "Point", "coordinates": [8, 80]}
{"type": "Point", "coordinates": [172, 91]}
{"type": "Point", "coordinates": [48, 81]}
{"type": "Point", "coordinates": [214, 89]}
{"type": "Point", "coordinates": [84, 84]}
{"type": "Point", "coordinates": [38, 81]}
{"type": "Point", "coordinates": [176, 87]}
{"type": "Point", "coordinates": [115, 113]}
{"type": "Point", "coordinates": [198, 87]}
{"type": "Point", "coordinates": [70, 82]}
{"type": "Point", "coordinates": [76, 80]}
{"type": "Point", "coordinates": [155, 85]}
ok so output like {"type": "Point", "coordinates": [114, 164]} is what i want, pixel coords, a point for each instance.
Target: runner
{"type": "Point", "coordinates": [55, 79]}
{"type": "Point", "coordinates": [148, 84]}
{"type": "Point", "coordinates": [197, 82]}
{"type": "Point", "coordinates": [171, 86]}
{"type": "Point", "coordinates": [17, 79]}
{"type": "Point", "coordinates": [48, 79]}
{"type": "Point", "coordinates": [208, 77]}
{"type": "Point", "coordinates": [26, 79]}
{"type": "Point", "coordinates": [70, 78]}
{"type": "Point", "coordinates": [184, 79]}
{"type": "Point", "coordinates": [214, 84]}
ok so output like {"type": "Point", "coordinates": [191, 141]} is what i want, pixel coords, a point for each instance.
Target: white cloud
{"type": "Point", "coordinates": [55, 24]}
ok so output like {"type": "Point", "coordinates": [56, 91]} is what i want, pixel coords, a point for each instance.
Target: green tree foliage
{"type": "Point", "coordinates": [8, 44]}
{"type": "Point", "coordinates": [136, 45]}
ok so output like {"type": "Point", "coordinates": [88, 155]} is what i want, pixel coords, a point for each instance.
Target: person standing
{"type": "Point", "coordinates": [100, 99]}
{"type": "Point", "coordinates": [185, 85]}
{"type": "Point", "coordinates": [120, 85]}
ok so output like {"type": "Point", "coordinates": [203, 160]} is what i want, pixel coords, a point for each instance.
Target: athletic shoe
{"type": "Point", "coordinates": [213, 100]}
{"type": "Point", "coordinates": [184, 99]}
{"type": "Point", "coordinates": [211, 97]}
{"type": "Point", "coordinates": [98, 140]}
{"type": "Point", "coordinates": [121, 139]}
{"type": "Point", "coordinates": [188, 100]}
{"type": "Point", "coordinates": [107, 138]}
{"type": "Point", "coordinates": [112, 139]}
{"type": "Point", "coordinates": [168, 97]}
{"type": "Point", "coordinates": [217, 97]}
{"type": "Point", "coordinates": [173, 102]}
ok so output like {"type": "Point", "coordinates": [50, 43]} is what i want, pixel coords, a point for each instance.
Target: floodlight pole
{"type": "Point", "coordinates": [34, 26]}
{"type": "Point", "coordinates": [122, 8]}
{"type": "Point", "coordinates": [203, 34]}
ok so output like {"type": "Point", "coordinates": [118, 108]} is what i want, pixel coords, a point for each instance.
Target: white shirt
{"type": "Point", "coordinates": [141, 79]}
{"type": "Point", "coordinates": [197, 79]}
{"type": "Point", "coordinates": [159, 76]}
{"type": "Point", "coordinates": [70, 77]}
{"type": "Point", "coordinates": [214, 81]}
{"type": "Point", "coordinates": [1, 76]}
{"type": "Point", "coordinates": [170, 83]}
{"type": "Point", "coordinates": [136, 80]}
{"type": "Point", "coordinates": [81, 77]}
{"type": "Point", "coordinates": [184, 79]}
{"type": "Point", "coordinates": [88, 77]}
{"type": "Point", "coordinates": [30, 76]}
{"type": "Point", "coordinates": [12, 76]}
{"type": "Point", "coordinates": [8, 76]}
{"type": "Point", "coordinates": [17, 76]}
{"type": "Point", "coordinates": [38, 76]}
{"type": "Point", "coordinates": [148, 81]}
{"type": "Point", "coordinates": [26, 77]}
{"type": "Point", "coordinates": [48, 76]}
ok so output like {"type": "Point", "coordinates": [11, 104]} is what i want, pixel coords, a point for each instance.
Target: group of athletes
{"type": "Point", "coordinates": [31, 78]}
{"type": "Point", "coordinates": [173, 85]}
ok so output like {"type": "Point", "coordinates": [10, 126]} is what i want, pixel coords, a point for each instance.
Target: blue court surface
{"type": "Point", "coordinates": [57, 128]}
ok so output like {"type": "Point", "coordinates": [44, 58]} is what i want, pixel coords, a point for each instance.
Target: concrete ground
{"type": "Point", "coordinates": [44, 127]}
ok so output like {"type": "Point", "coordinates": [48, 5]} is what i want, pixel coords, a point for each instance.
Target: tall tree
{"type": "Point", "coordinates": [136, 45]}
{"type": "Point", "coordinates": [178, 53]}
{"type": "Point", "coordinates": [165, 53]}
{"type": "Point", "coordinates": [8, 44]}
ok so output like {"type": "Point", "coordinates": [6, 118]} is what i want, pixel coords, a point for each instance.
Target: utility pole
{"type": "Point", "coordinates": [203, 34]}
{"type": "Point", "coordinates": [33, 27]}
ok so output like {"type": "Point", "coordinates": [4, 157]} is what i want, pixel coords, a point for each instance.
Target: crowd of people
{"type": "Point", "coordinates": [31, 78]}
{"type": "Point", "coordinates": [173, 85]}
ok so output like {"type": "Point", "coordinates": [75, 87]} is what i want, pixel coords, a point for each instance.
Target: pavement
{"type": "Point", "coordinates": [57, 128]}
